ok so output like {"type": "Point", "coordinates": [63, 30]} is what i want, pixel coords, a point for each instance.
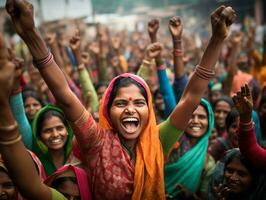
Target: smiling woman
{"type": "Point", "coordinates": [239, 179]}
{"type": "Point", "coordinates": [189, 165]}
{"type": "Point", "coordinates": [115, 173]}
{"type": "Point", "coordinates": [52, 138]}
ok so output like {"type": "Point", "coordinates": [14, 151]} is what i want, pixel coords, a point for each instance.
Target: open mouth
{"type": "Point", "coordinates": [130, 124]}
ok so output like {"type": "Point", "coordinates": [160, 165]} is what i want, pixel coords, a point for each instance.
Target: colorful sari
{"type": "Point", "coordinates": [113, 174]}
{"type": "Point", "coordinates": [72, 171]}
{"type": "Point", "coordinates": [187, 169]}
{"type": "Point", "coordinates": [40, 148]}
{"type": "Point", "coordinates": [148, 177]}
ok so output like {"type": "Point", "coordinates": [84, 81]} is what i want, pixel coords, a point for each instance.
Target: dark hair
{"type": "Point", "coordinates": [231, 118]}
{"type": "Point", "coordinates": [223, 98]}
{"type": "Point", "coordinates": [124, 82]}
{"type": "Point", "coordinates": [61, 180]}
{"type": "Point", "coordinates": [32, 93]}
{"type": "Point", "coordinates": [100, 84]}
{"type": "Point", "coordinates": [236, 154]}
{"type": "Point", "coordinates": [47, 115]}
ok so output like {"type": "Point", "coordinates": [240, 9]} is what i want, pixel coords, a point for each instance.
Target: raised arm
{"type": "Point", "coordinates": [21, 13]}
{"type": "Point", "coordinates": [85, 80]}
{"type": "Point", "coordinates": [181, 79]}
{"type": "Point", "coordinates": [164, 83]}
{"type": "Point", "coordinates": [246, 137]}
{"type": "Point", "coordinates": [24, 174]}
{"type": "Point", "coordinates": [17, 106]}
{"type": "Point", "coordinates": [221, 19]}
{"type": "Point", "coordinates": [176, 29]}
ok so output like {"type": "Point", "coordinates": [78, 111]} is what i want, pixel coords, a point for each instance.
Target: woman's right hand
{"type": "Point", "coordinates": [176, 27]}
{"type": "Point", "coordinates": [153, 50]}
{"type": "Point", "coordinates": [244, 104]}
{"type": "Point", "coordinates": [21, 13]}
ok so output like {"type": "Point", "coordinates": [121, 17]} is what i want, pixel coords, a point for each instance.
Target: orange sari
{"type": "Point", "coordinates": [148, 177]}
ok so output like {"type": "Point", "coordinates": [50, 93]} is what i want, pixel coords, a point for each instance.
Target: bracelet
{"type": "Point", "coordinates": [47, 60]}
{"type": "Point", "coordinates": [161, 67]}
{"type": "Point", "coordinates": [246, 126]}
{"type": "Point", "coordinates": [204, 73]}
{"type": "Point", "coordinates": [177, 40]}
{"type": "Point", "coordinates": [178, 52]}
{"type": "Point", "coordinates": [11, 141]}
{"type": "Point", "coordinates": [146, 62]}
{"type": "Point", "coordinates": [10, 127]}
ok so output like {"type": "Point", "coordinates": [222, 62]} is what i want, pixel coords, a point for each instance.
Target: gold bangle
{"type": "Point", "coordinates": [10, 127]}
{"type": "Point", "coordinates": [11, 141]}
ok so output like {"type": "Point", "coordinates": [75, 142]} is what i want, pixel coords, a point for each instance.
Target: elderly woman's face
{"type": "Point", "coordinates": [237, 178]}
{"type": "Point", "coordinates": [129, 112]}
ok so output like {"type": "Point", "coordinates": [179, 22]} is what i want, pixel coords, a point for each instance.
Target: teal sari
{"type": "Point", "coordinates": [187, 169]}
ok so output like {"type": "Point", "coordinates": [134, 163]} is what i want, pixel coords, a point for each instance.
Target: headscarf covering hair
{"type": "Point", "coordinates": [148, 177]}
{"type": "Point", "coordinates": [78, 173]}
{"type": "Point", "coordinates": [40, 148]}
{"type": "Point", "coordinates": [187, 170]}
{"type": "Point", "coordinates": [38, 166]}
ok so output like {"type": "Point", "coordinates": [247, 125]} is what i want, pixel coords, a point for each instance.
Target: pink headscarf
{"type": "Point", "coordinates": [81, 176]}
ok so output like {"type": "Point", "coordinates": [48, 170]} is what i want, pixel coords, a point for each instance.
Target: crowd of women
{"type": "Point", "coordinates": [119, 118]}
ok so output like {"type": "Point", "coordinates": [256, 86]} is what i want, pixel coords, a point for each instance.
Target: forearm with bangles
{"type": "Point", "coordinates": [12, 138]}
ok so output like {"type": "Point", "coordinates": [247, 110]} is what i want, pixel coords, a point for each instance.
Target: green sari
{"type": "Point", "coordinates": [187, 169]}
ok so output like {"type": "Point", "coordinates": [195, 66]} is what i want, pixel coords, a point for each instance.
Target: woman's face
{"type": "Point", "coordinates": [159, 103]}
{"type": "Point", "coordinates": [70, 190]}
{"type": "Point", "coordinates": [32, 106]}
{"type": "Point", "coordinates": [7, 188]}
{"type": "Point", "coordinates": [221, 111]}
{"type": "Point", "coordinates": [53, 133]}
{"type": "Point", "coordinates": [198, 123]}
{"type": "Point", "coordinates": [237, 177]}
{"type": "Point", "coordinates": [100, 92]}
{"type": "Point", "coordinates": [232, 132]}
{"type": "Point", "coordinates": [129, 112]}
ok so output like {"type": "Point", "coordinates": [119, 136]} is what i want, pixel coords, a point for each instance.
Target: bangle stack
{"type": "Point", "coordinates": [178, 52]}
{"type": "Point", "coordinates": [246, 126]}
{"type": "Point", "coordinates": [10, 128]}
{"type": "Point", "coordinates": [204, 73]}
{"type": "Point", "coordinates": [47, 60]}
{"type": "Point", "coordinates": [177, 40]}
{"type": "Point", "coordinates": [161, 67]}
